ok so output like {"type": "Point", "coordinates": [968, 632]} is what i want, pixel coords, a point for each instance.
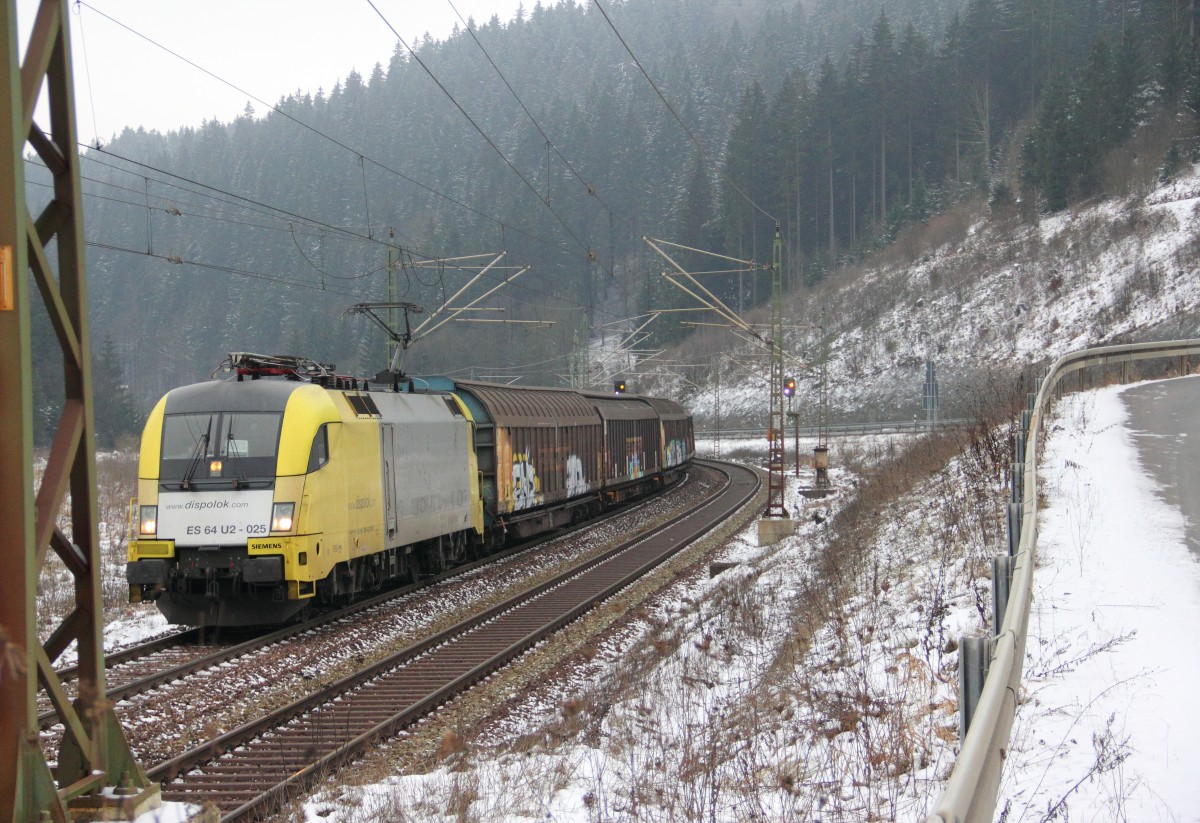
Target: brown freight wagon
{"type": "Point", "coordinates": [538, 449]}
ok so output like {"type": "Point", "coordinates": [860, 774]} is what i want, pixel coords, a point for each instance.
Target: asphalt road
{"type": "Point", "coordinates": [1164, 419]}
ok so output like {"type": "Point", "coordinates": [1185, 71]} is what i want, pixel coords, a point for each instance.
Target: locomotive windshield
{"type": "Point", "coordinates": [216, 449]}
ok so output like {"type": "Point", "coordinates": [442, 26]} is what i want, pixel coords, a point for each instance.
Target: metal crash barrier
{"type": "Point", "coordinates": [970, 794]}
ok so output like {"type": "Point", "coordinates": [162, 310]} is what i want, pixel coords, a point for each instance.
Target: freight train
{"type": "Point", "coordinates": [289, 487]}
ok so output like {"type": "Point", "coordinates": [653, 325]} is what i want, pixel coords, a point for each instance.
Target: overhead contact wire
{"type": "Point", "coordinates": [226, 269]}
{"type": "Point", "coordinates": [478, 128]}
{"type": "Point", "coordinates": [313, 129]}
{"type": "Point", "coordinates": [591, 190]}
{"type": "Point", "coordinates": [504, 226]}
{"type": "Point", "coordinates": [307, 220]}
{"type": "Point", "coordinates": [695, 140]}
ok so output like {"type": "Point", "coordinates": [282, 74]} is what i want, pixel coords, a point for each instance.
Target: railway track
{"type": "Point", "coordinates": [172, 658]}
{"type": "Point", "coordinates": [251, 769]}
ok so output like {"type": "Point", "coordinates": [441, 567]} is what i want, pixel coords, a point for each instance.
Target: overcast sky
{"type": "Point", "coordinates": [267, 48]}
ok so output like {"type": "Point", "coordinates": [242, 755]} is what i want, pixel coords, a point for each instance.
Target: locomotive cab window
{"type": "Point", "coordinates": [319, 455]}
{"type": "Point", "coordinates": [218, 448]}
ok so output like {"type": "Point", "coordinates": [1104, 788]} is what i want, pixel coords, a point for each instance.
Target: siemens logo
{"type": "Point", "coordinates": [260, 545]}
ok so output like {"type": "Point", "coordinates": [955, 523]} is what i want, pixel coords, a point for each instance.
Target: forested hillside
{"type": "Point", "coordinates": [841, 119]}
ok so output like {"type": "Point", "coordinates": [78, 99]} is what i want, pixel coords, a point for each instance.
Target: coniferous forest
{"type": "Point", "coordinates": [843, 120]}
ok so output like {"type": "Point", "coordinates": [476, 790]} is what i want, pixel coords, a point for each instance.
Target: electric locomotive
{"type": "Point", "coordinates": [260, 497]}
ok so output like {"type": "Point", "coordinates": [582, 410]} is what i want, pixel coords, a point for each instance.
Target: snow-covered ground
{"type": "Point", "coordinates": [995, 295]}
{"type": "Point", "coordinates": [1107, 729]}
{"type": "Point", "coordinates": [1109, 725]}
{"type": "Point", "coordinates": [765, 693]}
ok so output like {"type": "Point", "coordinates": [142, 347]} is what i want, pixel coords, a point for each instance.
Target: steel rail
{"type": "Point", "coordinates": [970, 794]}
{"type": "Point", "coordinates": [841, 429]}
{"type": "Point", "coordinates": [312, 735]}
{"type": "Point", "coordinates": [131, 653]}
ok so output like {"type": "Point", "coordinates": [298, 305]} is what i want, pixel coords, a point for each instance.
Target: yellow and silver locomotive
{"type": "Point", "coordinates": [290, 486]}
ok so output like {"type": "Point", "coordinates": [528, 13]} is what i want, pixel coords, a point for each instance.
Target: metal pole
{"type": "Point", "coordinates": [26, 785]}
{"type": "Point", "coordinates": [94, 754]}
{"type": "Point", "coordinates": [717, 445]}
{"type": "Point", "coordinates": [393, 314]}
{"type": "Point", "coordinates": [796, 433]}
{"type": "Point", "coordinates": [775, 433]}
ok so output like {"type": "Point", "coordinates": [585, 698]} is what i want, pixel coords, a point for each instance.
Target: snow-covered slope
{"type": "Point", "coordinates": [1000, 295]}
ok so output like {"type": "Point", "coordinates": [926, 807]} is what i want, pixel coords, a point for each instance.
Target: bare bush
{"type": "Point", "coordinates": [116, 486]}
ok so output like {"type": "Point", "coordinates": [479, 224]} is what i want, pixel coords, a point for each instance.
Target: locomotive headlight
{"type": "Point", "coordinates": [281, 517]}
{"type": "Point", "coordinates": [147, 520]}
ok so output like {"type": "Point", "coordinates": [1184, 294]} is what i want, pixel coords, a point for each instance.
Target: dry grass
{"type": "Point", "coordinates": [116, 486]}
{"type": "Point", "coordinates": [666, 732]}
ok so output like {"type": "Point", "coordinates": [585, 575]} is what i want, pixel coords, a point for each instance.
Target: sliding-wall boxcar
{"type": "Point", "coordinates": [633, 444]}
{"type": "Point", "coordinates": [540, 451]}
{"type": "Point", "coordinates": [678, 437]}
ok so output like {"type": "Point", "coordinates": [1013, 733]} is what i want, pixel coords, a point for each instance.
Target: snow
{"type": "Point", "coordinates": [1109, 721]}
{"type": "Point", "coordinates": [171, 813]}
{"type": "Point", "coordinates": [1107, 728]}
{"type": "Point", "coordinates": [135, 627]}
{"type": "Point", "coordinates": [720, 724]}
{"type": "Point", "coordinates": [136, 624]}
{"type": "Point", "coordinates": [996, 296]}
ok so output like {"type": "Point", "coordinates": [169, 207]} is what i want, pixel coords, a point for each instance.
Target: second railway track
{"type": "Point", "coordinates": [251, 769]}
{"type": "Point", "coordinates": [140, 668]}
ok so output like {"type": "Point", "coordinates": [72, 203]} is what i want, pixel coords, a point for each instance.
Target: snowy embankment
{"type": "Point", "coordinates": [997, 295]}
{"type": "Point", "coordinates": [737, 698]}
{"type": "Point", "coordinates": [814, 679]}
{"type": "Point", "coordinates": [718, 702]}
{"type": "Point", "coordinates": [1109, 726]}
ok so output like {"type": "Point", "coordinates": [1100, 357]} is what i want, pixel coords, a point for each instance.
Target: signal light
{"type": "Point", "coordinates": [618, 387]}
{"type": "Point", "coordinates": [789, 386]}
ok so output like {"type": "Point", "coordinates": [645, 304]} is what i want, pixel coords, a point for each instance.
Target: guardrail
{"type": "Point", "coordinates": [990, 668]}
{"type": "Point", "coordinates": [836, 429]}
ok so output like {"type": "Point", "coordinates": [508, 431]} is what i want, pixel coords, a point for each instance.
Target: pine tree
{"type": "Point", "coordinates": [824, 123]}
{"type": "Point", "coordinates": [1049, 152]}
{"type": "Point", "coordinates": [881, 71]}
{"type": "Point", "coordinates": [113, 407]}
{"type": "Point", "coordinates": [744, 184]}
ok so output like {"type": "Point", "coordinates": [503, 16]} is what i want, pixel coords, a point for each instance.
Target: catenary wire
{"type": "Point", "coordinates": [591, 190]}
{"type": "Point", "coordinates": [316, 131]}
{"type": "Point", "coordinates": [301, 123]}
{"type": "Point", "coordinates": [479, 129]}
{"type": "Point", "coordinates": [87, 72]}
{"type": "Point", "coordinates": [267, 209]}
{"type": "Point", "coordinates": [695, 140]}
{"type": "Point", "coordinates": [226, 269]}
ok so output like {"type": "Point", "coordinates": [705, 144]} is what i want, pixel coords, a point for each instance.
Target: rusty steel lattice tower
{"type": "Point", "coordinates": [775, 433]}
{"type": "Point", "coordinates": [94, 755]}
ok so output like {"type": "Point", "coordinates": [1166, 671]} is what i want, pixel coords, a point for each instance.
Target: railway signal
{"type": "Point", "coordinates": [618, 387]}
{"type": "Point", "coordinates": [789, 386]}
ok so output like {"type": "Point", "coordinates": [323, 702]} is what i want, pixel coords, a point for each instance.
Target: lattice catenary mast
{"type": "Point", "coordinates": [95, 775]}
{"type": "Point", "coordinates": [775, 432]}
